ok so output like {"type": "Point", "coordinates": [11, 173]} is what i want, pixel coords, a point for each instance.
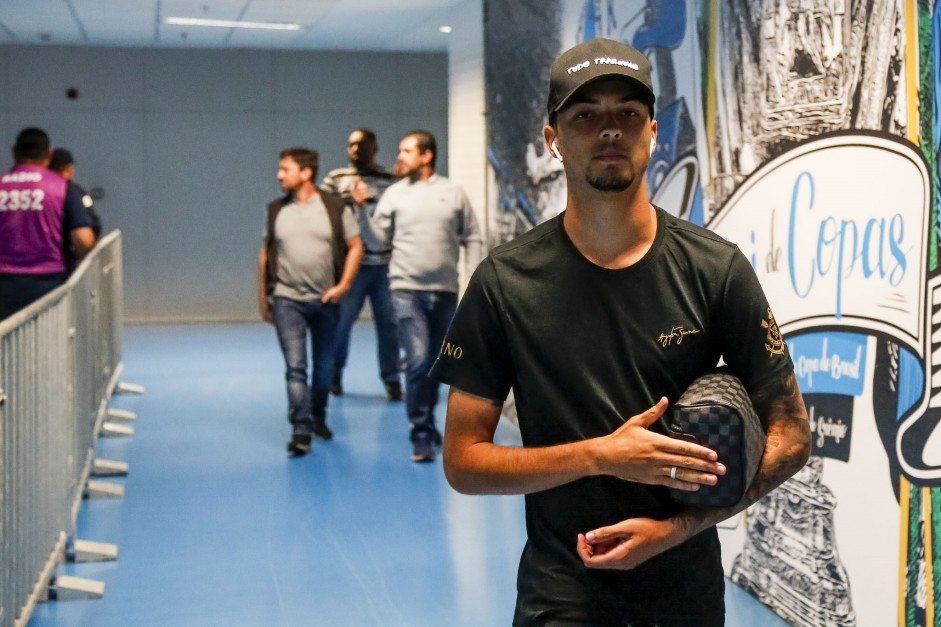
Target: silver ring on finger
{"type": "Point", "coordinates": [673, 473]}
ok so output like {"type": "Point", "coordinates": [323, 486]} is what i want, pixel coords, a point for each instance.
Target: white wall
{"type": "Point", "coordinates": [185, 143]}
{"type": "Point", "coordinates": [467, 122]}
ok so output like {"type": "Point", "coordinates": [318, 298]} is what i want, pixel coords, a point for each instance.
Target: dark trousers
{"type": "Point", "coordinates": [423, 319]}
{"type": "Point", "coordinates": [371, 282]}
{"type": "Point", "coordinates": [293, 320]}
{"type": "Point", "coordinates": [19, 290]}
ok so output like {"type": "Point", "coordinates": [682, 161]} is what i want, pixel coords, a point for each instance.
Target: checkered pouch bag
{"type": "Point", "coordinates": [715, 411]}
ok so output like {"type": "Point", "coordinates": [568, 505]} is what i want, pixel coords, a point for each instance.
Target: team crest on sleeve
{"type": "Point", "coordinates": [774, 343]}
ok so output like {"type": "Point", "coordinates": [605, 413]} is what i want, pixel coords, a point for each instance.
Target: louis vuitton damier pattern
{"type": "Point", "coordinates": [716, 412]}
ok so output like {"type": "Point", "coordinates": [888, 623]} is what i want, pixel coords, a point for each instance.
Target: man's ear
{"type": "Point", "coordinates": [551, 137]}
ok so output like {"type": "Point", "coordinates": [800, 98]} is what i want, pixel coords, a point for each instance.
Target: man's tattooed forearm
{"type": "Point", "coordinates": [772, 392]}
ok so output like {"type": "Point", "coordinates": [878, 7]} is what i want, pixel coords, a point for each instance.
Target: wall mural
{"type": "Point", "coordinates": [806, 131]}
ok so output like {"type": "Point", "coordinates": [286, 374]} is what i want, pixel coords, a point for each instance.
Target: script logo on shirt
{"type": "Point", "coordinates": [451, 350]}
{"type": "Point", "coordinates": [675, 335]}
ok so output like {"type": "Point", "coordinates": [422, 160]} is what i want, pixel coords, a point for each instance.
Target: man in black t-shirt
{"type": "Point", "coordinates": [597, 320]}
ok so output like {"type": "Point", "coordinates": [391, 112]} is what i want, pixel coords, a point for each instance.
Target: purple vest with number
{"type": "Point", "coordinates": [31, 214]}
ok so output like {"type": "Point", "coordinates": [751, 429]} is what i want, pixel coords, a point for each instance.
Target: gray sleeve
{"type": "Point", "coordinates": [350, 224]}
{"type": "Point", "coordinates": [471, 238]}
{"type": "Point", "coordinates": [382, 223]}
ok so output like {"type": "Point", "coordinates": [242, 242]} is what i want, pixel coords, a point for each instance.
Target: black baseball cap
{"type": "Point", "coordinates": [593, 60]}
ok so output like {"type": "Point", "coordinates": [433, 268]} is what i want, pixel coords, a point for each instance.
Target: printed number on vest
{"type": "Point", "coordinates": [21, 199]}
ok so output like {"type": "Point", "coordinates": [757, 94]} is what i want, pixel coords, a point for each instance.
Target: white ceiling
{"type": "Point", "coordinates": [379, 25]}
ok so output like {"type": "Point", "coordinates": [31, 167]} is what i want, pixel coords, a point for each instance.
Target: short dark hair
{"type": "Point", "coordinates": [367, 133]}
{"type": "Point", "coordinates": [61, 159]}
{"type": "Point", "coordinates": [31, 144]}
{"type": "Point", "coordinates": [426, 141]}
{"type": "Point", "coordinates": [304, 157]}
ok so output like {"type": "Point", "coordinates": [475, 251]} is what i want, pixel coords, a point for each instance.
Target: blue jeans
{"type": "Point", "coordinates": [307, 403]}
{"type": "Point", "coordinates": [423, 319]}
{"type": "Point", "coordinates": [371, 281]}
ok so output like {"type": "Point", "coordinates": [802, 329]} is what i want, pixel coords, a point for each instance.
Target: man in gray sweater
{"type": "Point", "coordinates": [426, 219]}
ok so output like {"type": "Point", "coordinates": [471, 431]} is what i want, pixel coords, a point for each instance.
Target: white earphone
{"type": "Point", "coordinates": [653, 145]}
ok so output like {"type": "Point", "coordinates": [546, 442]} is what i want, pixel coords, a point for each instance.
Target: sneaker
{"type": "Point", "coordinates": [422, 451]}
{"type": "Point", "coordinates": [336, 388]}
{"type": "Point", "coordinates": [299, 445]}
{"type": "Point", "coordinates": [322, 431]}
{"type": "Point", "coordinates": [393, 391]}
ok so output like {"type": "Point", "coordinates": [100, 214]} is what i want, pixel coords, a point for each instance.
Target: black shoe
{"type": "Point", "coordinates": [393, 391]}
{"type": "Point", "coordinates": [336, 388]}
{"type": "Point", "coordinates": [436, 438]}
{"type": "Point", "coordinates": [299, 445]}
{"type": "Point", "coordinates": [422, 451]}
{"type": "Point", "coordinates": [322, 431]}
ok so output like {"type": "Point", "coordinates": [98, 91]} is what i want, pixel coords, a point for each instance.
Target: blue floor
{"type": "Point", "coordinates": [219, 527]}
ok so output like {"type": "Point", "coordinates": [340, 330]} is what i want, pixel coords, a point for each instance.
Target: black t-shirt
{"type": "Point", "coordinates": [79, 212]}
{"type": "Point", "coordinates": [585, 348]}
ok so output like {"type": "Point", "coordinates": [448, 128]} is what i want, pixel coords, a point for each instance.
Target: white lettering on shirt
{"type": "Point", "coordinates": [21, 177]}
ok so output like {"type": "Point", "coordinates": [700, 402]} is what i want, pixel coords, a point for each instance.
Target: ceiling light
{"type": "Point", "coordinates": [196, 21]}
{"type": "Point", "coordinates": [445, 29]}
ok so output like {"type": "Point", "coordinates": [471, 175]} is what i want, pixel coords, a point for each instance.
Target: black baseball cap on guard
{"type": "Point", "coordinates": [593, 60]}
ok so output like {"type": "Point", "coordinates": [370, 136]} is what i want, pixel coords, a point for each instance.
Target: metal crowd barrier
{"type": "Point", "coordinates": [60, 359]}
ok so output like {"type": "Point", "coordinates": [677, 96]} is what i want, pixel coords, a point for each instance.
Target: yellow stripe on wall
{"type": "Point", "coordinates": [904, 502]}
{"type": "Point", "coordinates": [911, 84]}
{"type": "Point", "coordinates": [911, 67]}
{"type": "Point", "coordinates": [912, 88]}
{"type": "Point", "coordinates": [929, 557]}
{"type": "Point", "coordinates": [711, 101]}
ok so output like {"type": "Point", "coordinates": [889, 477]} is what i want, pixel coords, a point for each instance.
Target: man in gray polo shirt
{"type": "Point", "coordinates": [426, 219]}
{"type": "Point", "coordinates": [310, 255]}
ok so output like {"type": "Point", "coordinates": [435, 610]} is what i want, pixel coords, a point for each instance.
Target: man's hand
{"type": "Point", "coordinates": [334, 294]}
{"type": "Point", "coordinates": [265, 310]}
{"type": "Point", "coordinates": [360, 191]}
{"type": "Point", "coordinates": [635, 453]}
{"type": "Point", "coordinates": [628, 544]}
